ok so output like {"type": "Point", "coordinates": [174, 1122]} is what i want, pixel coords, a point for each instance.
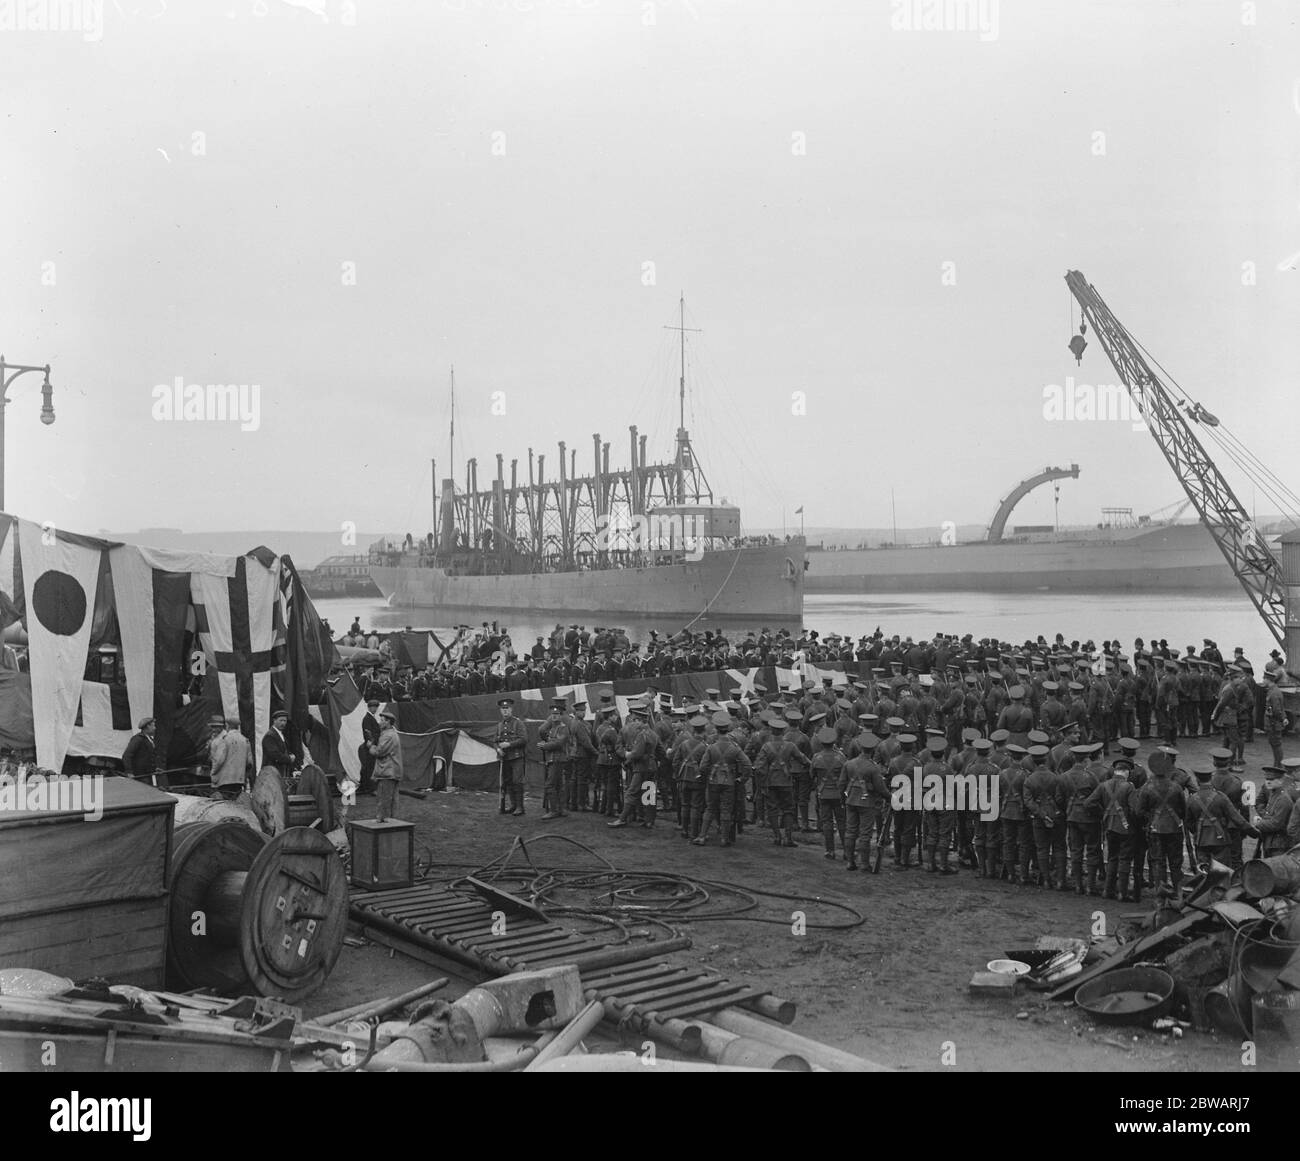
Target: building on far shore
{"type": "Point", "coordinates": [340, 576]}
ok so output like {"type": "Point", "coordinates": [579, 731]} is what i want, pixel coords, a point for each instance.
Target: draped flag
{"type": "Point", "coordinates": [60, 581]}
{"type": "Point", "coordinates": [173, 629]}
{"type": "Point", "coordinates": [234, 621]}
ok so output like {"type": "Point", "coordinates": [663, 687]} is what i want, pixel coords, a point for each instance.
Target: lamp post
{"type": "Point", "coordinates": [8, 373]}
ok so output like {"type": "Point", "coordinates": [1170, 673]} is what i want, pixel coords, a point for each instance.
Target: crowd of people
{"type": "Point", "coordinates": [1175, 693]}
{"type": "Point", "coordinates": [1039, 722]}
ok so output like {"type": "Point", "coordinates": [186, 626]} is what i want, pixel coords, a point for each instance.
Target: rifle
{"type": "Point", "coordinates": [882, 842]}
{"type": "Point", "coordinates": [501, 782]}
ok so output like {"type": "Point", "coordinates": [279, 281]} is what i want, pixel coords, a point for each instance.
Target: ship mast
{"type": "Point", "coordinates": [451, 450]}
{"type": "Point", "coordinates": [683, 439]}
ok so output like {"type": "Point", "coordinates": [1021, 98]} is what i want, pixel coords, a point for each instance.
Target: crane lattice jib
{"type": "Point", "coordinates": [1223, 515]}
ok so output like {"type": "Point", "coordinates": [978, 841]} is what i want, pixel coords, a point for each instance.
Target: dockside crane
{"type": "Point", "coordinates": [1170, 424]}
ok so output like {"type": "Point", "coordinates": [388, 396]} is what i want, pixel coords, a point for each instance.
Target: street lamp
{"type": "Point", "coordinates": [47, 406]}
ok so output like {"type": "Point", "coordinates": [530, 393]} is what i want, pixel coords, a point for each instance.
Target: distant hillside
{"type": "Point", "coordinates": [308, 549]}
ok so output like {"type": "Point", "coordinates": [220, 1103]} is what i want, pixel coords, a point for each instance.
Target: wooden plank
{"type": "Point", "coordinates": [125, 942]}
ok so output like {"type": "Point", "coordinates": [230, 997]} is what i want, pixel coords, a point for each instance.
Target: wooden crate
{"type": "Point", "coordinates": [383, 853]}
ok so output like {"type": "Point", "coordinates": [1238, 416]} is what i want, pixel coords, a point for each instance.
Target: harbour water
{"type": "Point", "coordinates": [1228, 618]}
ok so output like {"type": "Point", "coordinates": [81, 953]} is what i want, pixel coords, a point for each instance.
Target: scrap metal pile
{"type": "Point", "coordinates": [1226, 961]}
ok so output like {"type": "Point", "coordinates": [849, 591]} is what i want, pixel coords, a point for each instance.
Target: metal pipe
{"type": "Point", "coordinates": [571, 1036]}
{"type": "Point", "coordinates": [743, 1024]}
{"type": "Point", "coordinates": [631, 953]}
{"type": "Point", "coordinates": [678, 1034]}
{"type": "Point", "coordinates": [773, 1007]}
{"type": "Point", "coordinates": [724, 1047]}
{"type": "Point", "coordinates": [380, 1007]}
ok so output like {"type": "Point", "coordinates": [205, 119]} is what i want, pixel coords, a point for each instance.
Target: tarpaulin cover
{"type": "Point", "coordinates": [51, 862]}
{"type": "Point", "coordinates": [17, 726]}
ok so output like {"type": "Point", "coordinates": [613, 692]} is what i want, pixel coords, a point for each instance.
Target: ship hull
{"type": "Point", "coordinates": [760, 583]}
{"type": "Point", "coordinates": [1173, 559]}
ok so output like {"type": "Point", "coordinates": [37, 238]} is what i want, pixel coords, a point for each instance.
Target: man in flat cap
{"type": "Point", "coordinates": [140, 758]}
{"type": "Point", "coordinates": [388, 765]}
{"type": "Point", "coordinates": [275, 746]}
{"type": "Point", "coordinates": [228, 753]}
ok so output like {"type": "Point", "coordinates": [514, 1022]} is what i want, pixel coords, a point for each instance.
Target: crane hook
{"type": "Point", "coordinates": [1077, 346]}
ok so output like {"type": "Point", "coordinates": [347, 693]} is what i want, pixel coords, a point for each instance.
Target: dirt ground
{"type": "Point", "coordinates": [893, 990]}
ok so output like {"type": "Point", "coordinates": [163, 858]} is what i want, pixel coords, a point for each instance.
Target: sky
{"type": "Point", "coordinates": [870, 222]}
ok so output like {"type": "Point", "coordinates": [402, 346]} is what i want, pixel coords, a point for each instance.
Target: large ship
{"type": "Point", "coordinates": [1122, 552]}
{"type": "Point", "coordinates": [649, 540]}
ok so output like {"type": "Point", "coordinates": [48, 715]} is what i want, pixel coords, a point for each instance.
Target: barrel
{"type": "Point", "coordinates": [1277, 1029]}
{"type": "Point", "coordinates": [1279, 875]}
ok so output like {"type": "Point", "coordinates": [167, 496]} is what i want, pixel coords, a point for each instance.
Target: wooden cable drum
{"type": "Point", "coordinates": [246, 914]}
{"type": "Point", "coordinates": [312, 801]}
{"type": "Point", "coordinates": [270, 801]}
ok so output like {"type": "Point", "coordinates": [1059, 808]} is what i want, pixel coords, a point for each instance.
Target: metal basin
{"type": "Point", "coordinates": [1127, 996]}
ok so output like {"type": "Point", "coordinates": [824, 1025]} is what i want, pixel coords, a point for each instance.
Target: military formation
{"type": "Point", "coordinates": [1151, 691]}
{"type": "Point", "coordinates": [1055, 732]}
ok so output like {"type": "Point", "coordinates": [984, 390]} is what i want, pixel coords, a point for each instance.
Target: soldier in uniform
{"type": "Point", "coordinates": [1017, 826]}
{"type": "Point", "coordinates": [1208, 689]}
{"type": "Point", "coordinates": [608, 762]}
{"type": "Point", "coordinates": [1274, 714]}
{"type": "Point", "coordinates": [1167, 703]}
{"type": "Point", "coordinates": [370, 729]}
{"type": "Point", "coordinates": [1052, 717]}
{"type": "Point", "coordinates": [638, 749]}
{"type": "Point", "coordinates": [988, 832]}
{"type": "Point", "coordinates": [802, 776]}
{"type": "Point", "coordinates": [1273, 815]}
{"type": "Point", "coordinates": [556, 745]}
{"type": "Point", "coordinates": [867, 795]}
{"type": "Point", "coordinates": [827, 766]}
{"type": "Point", "coordinates": [1143, 693]}
{"type": "Point", "coordinates": [776, 759]}
{"type": "Point", "coordinates": [584, 753]}
{"type": "Point", "coordinates": [1083, 821]}
{"type": "Point", "coordinates": [1112, 799]}
{"type": "Point", "coordinates": [1227, 783]}
{"type": "Point", "coordinates": [1245, 687]}
{"type": "Point", "coordinates": [1211, 819]}
{"type": "Point", "coordinates": [1161, 808]}
{"type": "Point", "coordinates": [1224, 717]}
{"type": "Point", "coordinates": [1016, 717]}
{"type": "Point", "coordinates": [687, 752]}
{"type": "Point", "coordinates": [511, 742]}
{"type": "Point", "coordinates": [719, 766]}
{"type": "Point", "coordinates": [1045, 803]}
{"type": "Point", "coordinates": [938, 824]}
{"type": "Point", "coordinates": [900, 775]}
